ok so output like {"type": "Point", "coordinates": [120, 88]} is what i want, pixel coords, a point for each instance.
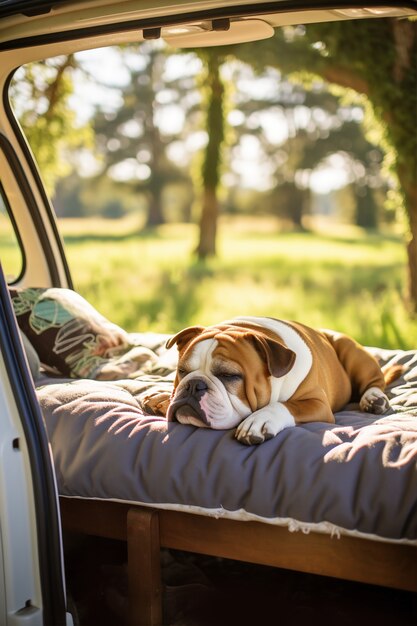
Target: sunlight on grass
{"type": "Point", "coordinates": [11, 255]}
{"type": "Point", "coordinates": [151, 280]}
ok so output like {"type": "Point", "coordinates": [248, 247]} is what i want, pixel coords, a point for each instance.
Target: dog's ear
{"type": "Point", "coordinates": [184, 336]}
{"type": "Point", "coordinates": [279, 358]}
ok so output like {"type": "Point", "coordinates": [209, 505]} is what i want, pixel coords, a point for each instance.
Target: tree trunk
{"type": "Point", "coordinates": [208, 224]}
{"type": "Point", "coordinates": [366, 214]}
{"type": "Point", "coordinates": [404, 116]}
{"type": "Point", "coordinates": [410, 193]}
{"type": "Point", "coordinates": [155, 215]}
{"type": "Point", "coordinates": [412, 270]}
{"type": "Point", "coordinates": [212, 157]}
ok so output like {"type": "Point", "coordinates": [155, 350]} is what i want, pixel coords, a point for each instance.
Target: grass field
{"type": "Point", "coordinates": [346, 279]}
{"type": "Point", "coordinates": [341, 278]}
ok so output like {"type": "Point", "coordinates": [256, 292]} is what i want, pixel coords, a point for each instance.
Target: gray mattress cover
{"type": "Point", "coordinates": [359, 474]}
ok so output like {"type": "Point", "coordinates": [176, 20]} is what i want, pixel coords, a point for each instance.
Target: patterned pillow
{"type": "Point", "coordinates": [69, 335]}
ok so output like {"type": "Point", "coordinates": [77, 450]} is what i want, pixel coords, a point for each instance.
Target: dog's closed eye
{"type": "Point", "coordinates": [229, 377]}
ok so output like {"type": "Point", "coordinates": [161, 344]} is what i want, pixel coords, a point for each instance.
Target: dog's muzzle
{"type": "Point", "coordinates": [186, 401]}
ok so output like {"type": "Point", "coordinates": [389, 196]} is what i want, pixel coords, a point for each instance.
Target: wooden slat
{"type": "Point", "coordinates": [100, 518]}
{"type": "Point", "coordinates": [144, 570]}
{"type": "Point", "coordinates": [362, 560]}
{"type": "Point", "coordinates": [375, 562]}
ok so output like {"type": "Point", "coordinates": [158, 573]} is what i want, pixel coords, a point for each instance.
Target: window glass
{"type": "Point", "coordinates": [11, 256]}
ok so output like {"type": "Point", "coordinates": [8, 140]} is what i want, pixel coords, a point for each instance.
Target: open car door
{"type": "Point", "coordinates": [32, 590]}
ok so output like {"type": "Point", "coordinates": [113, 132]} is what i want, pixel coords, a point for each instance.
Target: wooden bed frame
{"type": "Point", "coordinates": [147, 530]}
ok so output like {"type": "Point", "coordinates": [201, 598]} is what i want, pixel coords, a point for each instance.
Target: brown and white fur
{"type": "Point", "coordinates": [262, 375]}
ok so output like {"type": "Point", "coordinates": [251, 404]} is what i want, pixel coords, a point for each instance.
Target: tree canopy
{"type": "Point", "coordinates": [40, 94]}
{"type": "Point", "coordinates": [376, 58]}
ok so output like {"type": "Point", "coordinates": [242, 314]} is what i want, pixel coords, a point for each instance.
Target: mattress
{"type": "Point", "coordinates": [357, 476]}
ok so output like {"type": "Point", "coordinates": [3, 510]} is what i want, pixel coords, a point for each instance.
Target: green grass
{"type": "Point", "coordinates": [341, 278]}
{"type": "Point", "coordinates": [10, 254]}
{"type": "Point", "coordinates": [349, 280]}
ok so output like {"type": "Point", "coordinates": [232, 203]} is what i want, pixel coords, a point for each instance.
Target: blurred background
{"type": "Point", "coordinates": [273, 178]}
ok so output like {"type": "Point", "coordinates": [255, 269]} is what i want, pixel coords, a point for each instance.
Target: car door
{"type": "Point", "coordinates": [31, 570]}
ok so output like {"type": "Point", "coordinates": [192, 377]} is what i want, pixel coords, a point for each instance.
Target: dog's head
{"type": "Point", "coordinates": [224, 374]}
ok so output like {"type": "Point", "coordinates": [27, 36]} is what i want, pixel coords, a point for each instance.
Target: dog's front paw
{"type": "Point", "coordinates": [253, 431]}
{"type": "Point", "coordinates": [264, 424]}
{"type": "Point", "coordinates": [374, 401]}
{"type": "Point", "coordinates": [156, 403]}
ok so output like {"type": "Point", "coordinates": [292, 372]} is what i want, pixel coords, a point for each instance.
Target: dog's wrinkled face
{"type": "Point", "coordinates": [223, 375]}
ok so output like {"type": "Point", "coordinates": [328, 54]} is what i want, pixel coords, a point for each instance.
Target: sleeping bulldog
{"type": "Point", "coordinates": [262, 375]}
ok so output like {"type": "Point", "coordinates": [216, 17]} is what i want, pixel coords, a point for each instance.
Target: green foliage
{"type": "Point", "coordinates": [130, 132]}
{"type": "Point", "coordinates": [377, 58]}
{"type": "Point", "coordinates": [373, 57]}
{"type": "Point", "coordinates": [320, 123]}
{"type": "Point", "coordinates": [383, 54]}
{"type": "Point", "coordinates": [132, 135]}
{"type": "Point", "coordinates": [40, 94]}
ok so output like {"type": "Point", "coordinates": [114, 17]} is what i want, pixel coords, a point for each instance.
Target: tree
{"type": "Point", "coordinates": [376, 58]}
{"type": "Point", "coordinates": [40, 95]}
{"type": "Point", "coordinates": [210, 172]}
{"type": "Point", "coordinates": [315, 125]}
{"type": "Point", "coordinates": [133, 137]}
{"type": "Point", "coordinates": [361, 157]}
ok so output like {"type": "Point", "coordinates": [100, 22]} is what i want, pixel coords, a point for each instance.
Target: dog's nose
{"type": "Point", "coordinates": [196, 386]}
